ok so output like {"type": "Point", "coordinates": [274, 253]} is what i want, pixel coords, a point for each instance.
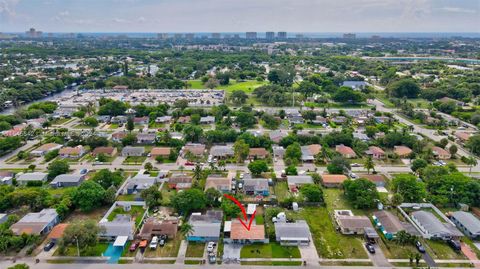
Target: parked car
{"type": "Point", "coordinates": [162, 242]}
{"type": "Point", "coordinates": [83, 171]}
{"type": "Point", "coordinates": [355, 165]}
{"type": "Point", "coordinates": [211, 258]}
{"type": "Point", "coordinates": [210, 246]}
{"type": "Point", "coordinates": [455, 244]}
{"type": "Point", "coordinates": [370, 248]}
{"type": "Point", "coordinates": [133, 246]}
{"type": "Point", "coordinates": [420, 247]}
{"type": "Point", "coordinates": [154, 243]}
{"type": "Point", "coordinates": [189, 163]}
{"type": "Point", "coordinates": [48, 246]}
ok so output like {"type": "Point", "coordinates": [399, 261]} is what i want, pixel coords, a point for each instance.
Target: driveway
{"type": "Point", "coordinates": [309, 253]}
{"type": "Point", "coordinates": [378, 259]}
{"type": "Point", "coordinates": [429, 260]}
{"type": "Point", "coordinates": [231, 251]}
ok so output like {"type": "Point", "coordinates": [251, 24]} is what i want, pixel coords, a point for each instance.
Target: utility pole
{"type": "Point", "coordinates": [78, 248]}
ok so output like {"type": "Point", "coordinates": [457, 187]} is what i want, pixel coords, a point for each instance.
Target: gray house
{"type": "Point", "coordinates": [294, 182]}
{"type": "Point", "coordinates": [67, 180]}
{"type": "Point", "coordinates": [145, 138]}
{"type": "Point", "coordinates": [205, 227]}
{"type": "Point", "coordinates": [23, 179]}
{"type": "Point", "coordinates": [39, 223]}
{"type": "Point", "coordinates": [432, 227]}
{"type": "Point", "coordinates": [467, 223]}
{"type": "Point", "coordinates": [207, 120]}
{"type": "Point", "coordinates": [138, 183]}
{"type": "Point", "coordinates": [133, 151]}
{"type": "Point", "coordinates": [256, 186]}
{"type": "Point", "coordinates": [292, 233]}
{"type": "Point", "coordinates": [222, 151]}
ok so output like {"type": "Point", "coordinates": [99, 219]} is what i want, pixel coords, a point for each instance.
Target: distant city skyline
{"type": "Point", "coordinates": [240, 16]}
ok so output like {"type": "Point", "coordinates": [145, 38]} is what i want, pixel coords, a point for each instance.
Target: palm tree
{"type": "Point", "coordinates": [197, 172]}
{"type": "Point", "coordinates": [472, 161]}
{"type": "Point", "coordinates": [369, 165]}
{"type": "Point", "coordinates": [186, 228]}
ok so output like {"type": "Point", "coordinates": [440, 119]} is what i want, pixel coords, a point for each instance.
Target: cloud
{"type": "Point", "coordinates": [458, 10]}
{"type": "Point", "coordinates": [8, 10]}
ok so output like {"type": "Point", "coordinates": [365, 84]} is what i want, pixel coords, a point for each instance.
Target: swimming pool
{"type": "Point", "coordinates": [114, 253]}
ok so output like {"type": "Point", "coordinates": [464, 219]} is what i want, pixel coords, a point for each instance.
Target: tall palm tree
{"type": "Point", "coordinates": [197, 172]}
{"type": "Point", "coordinates": [472, 161]}
{"type": "Point", "coordinates": [369, 165]}
{"type": "Point", "coordinates": [186, 228]}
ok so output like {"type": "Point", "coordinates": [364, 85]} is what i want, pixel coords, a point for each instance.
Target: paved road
{"type": "Point", "coordinates": [429, 260]}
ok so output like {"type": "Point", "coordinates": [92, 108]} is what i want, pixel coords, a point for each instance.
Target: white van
{"type": "Point", "coordinates": [154, 243]}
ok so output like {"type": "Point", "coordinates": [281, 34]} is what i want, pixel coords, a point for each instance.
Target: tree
{"type": "Point", "coordinates": [453, 149]}
{"type": "Point", "coordinates": [88, 196]}
{"type": "Point", "coordinates": [197, 172]}
{"type": "Point", "coordinates": [223, 78]}
{"type": "Point", "coordinates": [107, 178]}
{"type": "Point", "coordinates": [50, 155]}
{"type": "Point", "coordinates": [348, 95]}
{"type": "Point", "coordinates": [241, 150]}
{"type": "Point", "coordinates": [312, 192]}
{"type": "Point", "coordinates": [188, 201]}
{"type": "Point", "coordinates": [470, 161]}
{"type": "Point", "coordinates": [130, 124]}
{"type": "Point", "coordinates": [19, 266]}
{"type": "Point", "coordinates": [409, 188]}
{"type": "Point", "coordinates": [129, 140]}
{"type": "Point", "coordinates": [58, 167]}
{"type": "Point", "coordinates": [338, 165]}
{"type": "Point", "coordinates": [245, 120]}
{"type": "Point", "coordinates": [211, 83]}
{"type": "Point", "coordinates": [186, 229]}
{"type": "Point", "coordinates": [361, 193]}
{"type": "Point", "coordinates": [404, 88]}
{"type": "Point", "coordinates": [418, 164]}
{"type": "Point", "coordinates": [212, 195]}
{"type": "Point", "coordinates": [258, 167]}
{"type": "Point", "coordinates": [291, 170]}
{"type": "Point", "coordinates": [32, 167]}
{"type": "Point", "coordinates": [396, 199]}
{"type": "Point", "coordinates": [239, 97]}
{"type": "Point", "coordinates": [148, 166]}
{"type": "Point", "coordinates": [152, 196]}
{"type": "Point", "coordinates": [293, 152]}
{"type": "Point", "coordinates": [369, 164]}
{"type": "Point", "coordinates": [90, 121]}
{"type": "Point", "coordinates": [230, 209]}
{"type": "Point", "coordinates": [80, 233]}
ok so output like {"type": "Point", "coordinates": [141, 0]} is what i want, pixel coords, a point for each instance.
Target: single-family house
{"type": "Point", "coordinates": [139, 183]}
{"type": "Point", "coordinates": [72, 152]}
{"type": "Point", "coordinates": [155, 227]}
{"type": "Point", "coordinates": [38, 223]}
{"type": "Point", "coordinates": [222, 152]}
{"type": "Point", "coordinates": [345, 151]}
{"type": "Point", "coordinates": [375, 152]}
{"type": "Point", "coordinates": [103, 118]}
{"type": "Point", "coordinates": [432, 227]}
{"type": "Point", "coordinates": [107, 151]}
{"type": "Point", "coordinates": [119, 119]}
{"type": "Point", "coordinates": [292, 233]}
{"type": "Point", "coordinates": [163, 119]}
{"type": "Point", "coordinates": [333, 180]}
{"type": "Point", "coordinates": [278, 151]}
{"type": "Point", "coordinates": [441, 154]}
{"type": "Point", "coordinates": [378, 179]}
{"type": "Point", "coordinates": [205, 227]}
{"type": "Point", "coordinates": [6, 177]}
{"type": "Point", "coordinates": [133, 151]}
{"type": "Point", "coordinates": [277, 135]}
{"type": "Point", "coordinates": [146, 138]}
{"type": "Point", "coordinates": [221, 184]}
{"type": "Point", "coordinates": [296, 182]}
{"type": "Point", "coordinates": [388, 223]}
{"type": "Point", "coordinates": [207, 120]}
{"type": "Point", "coordinates": [57, 232]}
{"type": "Point", "coordinates": [67, 180]}
{"type": "Point", "coordinates": [402, 151]}
{"type": "Point", "coordinates": [462, 136]}
{"type": "Point", "coordinates": [140, 120]}
{"type": "Point", "coordinates": [184, 119]}
{"type": "Point", "coordinates": [180, 181]}
{"type": "Point", "coordinates": [3, 218]}
{"type": "Point", "coordinates": [361, 136]}
{"type": "Point", "coordinates": [45, 148]}
{"type": "Point", "coordinates": [467, 223]}
{"type": "Point", "coordinates": [309, 152]}
{"type": "Point", "coordinates": [194, 148]}
{"type": "Point", "coordinates": [355, 85]}
{"type": "Point", "coordinates": [320, 120]}
{"type": "Point", "coordinates": [351, 224]}
{"type": "Point", "coordinates": [118, 136]}
{"type": "Point", "coordinates": [257, 153]}
{"type": "Point", "coordinates": [23, 179]}
{"type": "Point", "coordinates": [256, 186]}
{"type": "Point", "coordinates": [240, 235]}
{"type": "Point", "coordinates": [160, 151]}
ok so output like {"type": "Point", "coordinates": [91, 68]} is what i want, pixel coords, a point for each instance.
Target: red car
{"type": "Point", "coordinates": [133, 247]}
{"type": "Point", "coordinates": [189, 163]}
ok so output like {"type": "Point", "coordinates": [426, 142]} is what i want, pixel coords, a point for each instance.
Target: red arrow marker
{"type": "Point", "coordinates": [244, 212]}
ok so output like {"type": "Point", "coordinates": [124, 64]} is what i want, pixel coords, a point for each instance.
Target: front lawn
{"type": "Point", "coordinates": [93, 251]}
{"type": "Point", "coordinates": [271, 250]}
{"type": "Point", "coordinates": [134, 160]}
{"type": "Point", "coordinates": [442, 251]}
{"type": "Point", "coordinates": [169, 250]}
{"type": "Point", "coordinates": [195, 249]}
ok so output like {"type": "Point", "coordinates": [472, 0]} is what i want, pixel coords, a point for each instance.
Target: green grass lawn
{"type": "Point", "coordinates": [281, 191]}
{"type": "Point", "coordinates": [93, 251]}
{"type": "Point", "coordinates": [169, 250]}
{"type": "Point", "coordinates": [334, 199]}
{"type": "Point", "coordinates": [134, 160]}
{"type": "Point", "coordinates": [247, 86]}
{"type": "Point", "coordinates": [271, 250]}
{"type": "Point", "coordinates": [330, 244]}
{"type": "Point", "coordinates": [195, 249]}
{"type": "Point", "coordinates": [195, 84]}
{"type": "Point", "coordinates": [167, 193]}
{"type": "Point", "coordinates": [59, 191]}
{"type": "Point", "coordinates": [441, 250]}
{"type": "Point", "coordinates": [135, 211]}
{"type": "Point", "coordinates": [396, 251]}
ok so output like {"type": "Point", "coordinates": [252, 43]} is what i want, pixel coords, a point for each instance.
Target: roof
{"type": "Point", "coordinates": [239, 232]}
{"type": "Point", "coordinates": [258, 152]}
{"type": "Point", "coordinates": [402, 150]}
{"type": "Point", "coordinates": [34, 223]}
{"type": "Point", "coordinates": [373, 177]}
{"type": "Point", "coordinates": [333, 179]}
{"type": "Point", "coordinates": [180, 178]}
{"type": "Point", "coordinates": [207, 119]}
{"type": "Point", "coordinates": [221, 151]}
{"type": "Point", "coordinates": [103, 150]}
{"type": "Point", "coordinates": [118, 228]}
{"type": "Point", "coordinates": [205, 229]}
{"type": "Point", "coordinates": [152, 225]}
{"type": "Point", "coordinates": [251, 208]}
{"type": "Point", "coordinates": [129, 149]}
{"type": "Point", "coordinates": [47, 146]}
{"type": "Point", "coordinates": [218, 183]}
{"type": "Point", "coordinates": [290, 230]}
{"type": "Point", "coordinates": [146, 136]}
{"type": "Point", "coordinates": [440, 151]}
{"type": "Point", "coordinates": [389, 221]}
{"type": "Point", "coordinates": [71, 150]}
{"type": "Point", "coordinates": [298, 180]}
{"type": "Point", "coordinates": [431, 223]}
{"type": "Point", "coordinates": [209, 216]}
{"type": "Point", "coordinates": [462, 135]}
{"type": "Point", "coordinates": [120, 241]}
{"type": "Point", "coordinates": [468, 220]}
{"type": "Point", "coordinates": [119, 135]}
{"type": "Point", "coordinates": [375, 150]}
{"type": "Point", "coordinates": [57, 231]}
{"type": "Point", "coordinates": [255, 183]}
{"type": "Point", "coordinates": [345, 150]}
{"type": "Point", "coordinates": [196, 149]}
{"type": "Point", "coordinates": [160, 151]}
{"type": "Point", "coordinates": [35, 176]}
{"type": "Point", "coordinates": [353, 222]}
{"type": "Point", "coordinates": [72, 178]}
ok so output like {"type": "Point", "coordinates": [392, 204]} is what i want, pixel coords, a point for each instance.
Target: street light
{"type": "Point", "coordinates": [78, 248]}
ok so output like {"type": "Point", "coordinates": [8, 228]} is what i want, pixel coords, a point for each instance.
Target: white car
{"type": "Point", "coordinates": [210, 246]}
{"type": "Point", "coordinates": [353, 175]}
{"type": "Point", "coordinates": [154, 243]}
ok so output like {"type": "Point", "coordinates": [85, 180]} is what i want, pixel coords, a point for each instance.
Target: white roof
{"type": "Point", "coordinates": [227, 227]}
{"type": "Point", "coordinates": [120, 241]}
{"type": "Point", "coordinates": [251, 208]}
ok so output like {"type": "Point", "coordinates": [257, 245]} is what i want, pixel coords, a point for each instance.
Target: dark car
{"type": "Point", "coordinates": [48, 246]}
{"type": "Point", "coordinates": [161, 242]}
{"type": "Point", "coordinates": [211, 258]}
{"type": "Point", "coordinates": [454, 244]}
{"type": "Point", "coordinates": [133, 247]}
{"type": "Point", "coordinates": [420, 247]}
{"type": "Point", "coordinates": [370, 248]}
{"type": "Point", "coordinates": [189, 163]}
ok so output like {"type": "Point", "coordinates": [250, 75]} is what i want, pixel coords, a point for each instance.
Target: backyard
{"type": "Point", "coordinates": [135, 212]}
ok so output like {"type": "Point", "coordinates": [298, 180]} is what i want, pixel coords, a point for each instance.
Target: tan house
{"type": "Point", "coordinates": [350, 224]}
{"type": "Point", "coordinates": [332, 181]}
{"type": "Point", "coordinates": [72, 152]}
{"type": "Point", "coordinates": [221, 184]}
{"type": "Point", "coordinates": [195, 149]}
{"type": "Point", "coordinates": [462, 136]}
{"type": "Point", "coordinates": [375, 152]}
{"type": "Point", "coordinates": [109, 151]}
{"type": "Point", "coordinates": [345, 151]}
{"type": "Point", "coordinates": [160, 151]}
{"type": "Point", "coordinates": [155, 227]}
{"type": "Point", "coordinates": [257, 153]}
{"type": "Point", "coordinates": [45, 148]}
{"type": "Point", "coordinates": [402, 151]}
{"type": "Point", "coordinates": [441, 153]}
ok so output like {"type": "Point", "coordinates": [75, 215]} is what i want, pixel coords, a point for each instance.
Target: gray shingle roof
{"type": "Point", "coordinates": [297, 229]}
{"type": "Point", "coordinates": [299, 180]}
{"type": "Point", "coordinates": [469, 221]}
{"type": "Point", "coordinates": [67, 178]}
{"type": "Point", "coordinates": [36, 176]}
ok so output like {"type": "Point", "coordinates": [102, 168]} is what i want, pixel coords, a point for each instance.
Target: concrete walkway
{"type": "Point", "coordinates": [181, 252]}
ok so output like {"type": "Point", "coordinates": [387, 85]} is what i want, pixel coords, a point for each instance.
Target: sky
{"type": "Point", "coordinates": [240, 15]}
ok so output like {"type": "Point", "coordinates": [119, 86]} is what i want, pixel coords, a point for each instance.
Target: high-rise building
{"type": "Point", "coordinates": [270, 35]}
{"type": "Point", "coordinates": [32, 33]}
{"type": "Point", "coordinates": [349, 36]}
{"type": "Point", "coordinates": [178, 36]}
{"type": "Point", "coordinates": [251, 35]}
{"type": "Point", "coordinates": [299, 36]}
{"type": "Point", "coordinates": [282, 35]}
{"type": "Point", "coordinates": [162, 36]}
{"type": "Point", "coordinates": [236, 36]}
{"type": "Point", "coordinates": [190, 36]}
{"type": "Point", "coordinates": [216, 35]}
